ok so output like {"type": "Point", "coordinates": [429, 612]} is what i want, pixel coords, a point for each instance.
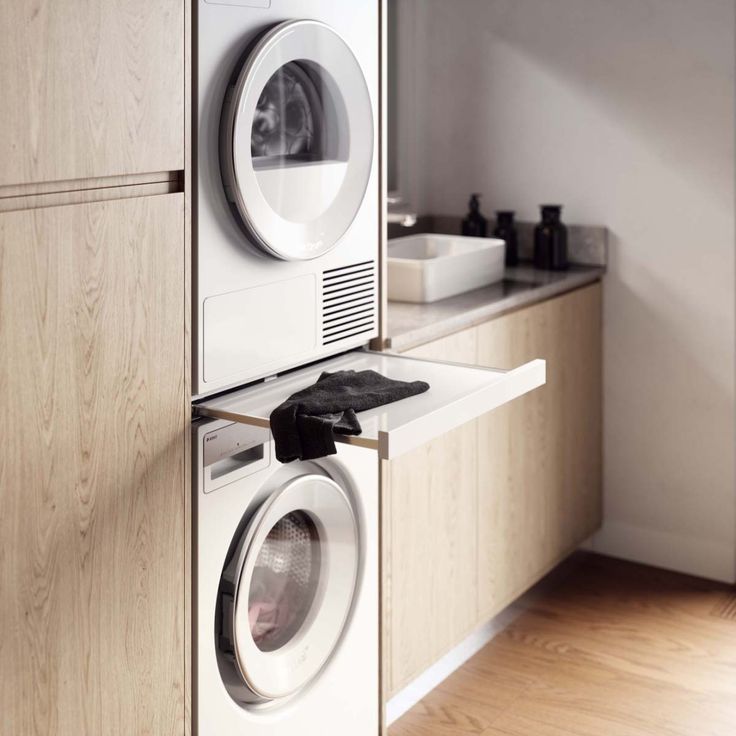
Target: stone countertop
{"type": "Point", "coordinates": [410, 325]}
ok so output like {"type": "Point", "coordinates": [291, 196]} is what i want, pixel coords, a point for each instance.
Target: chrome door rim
{"type": "Point", "coordinates": [280, 673]}
{"type": "Point", "coordinates": [295, 41]}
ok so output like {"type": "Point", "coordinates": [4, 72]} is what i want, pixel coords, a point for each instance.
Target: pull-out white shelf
{"type": "Point", "coordinates": [457, 394]}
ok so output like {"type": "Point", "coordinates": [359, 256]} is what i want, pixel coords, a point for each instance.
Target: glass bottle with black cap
{"type": "Point", "coordinates": [550, 240]}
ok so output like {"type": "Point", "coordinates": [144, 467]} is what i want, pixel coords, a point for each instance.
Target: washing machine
{"type": "Point", "coordinates": [286, 188]}
{"type": "Point", "coordinates": [285, 588]}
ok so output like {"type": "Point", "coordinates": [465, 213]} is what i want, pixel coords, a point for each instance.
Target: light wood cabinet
{"type": "Point", "coordinates": [430, 509]}
{"type": "Point", "coordinates": [93, 468]}
{"type": "Point", "coordinates": [91, 89]}
{"type": "Point", "coordinates": [539, 459]}
{"type": "Point", "coordinates": [475, 518]}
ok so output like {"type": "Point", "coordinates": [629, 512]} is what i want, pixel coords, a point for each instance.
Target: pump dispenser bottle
{"type": "Point", "coordinates": [474, 224]}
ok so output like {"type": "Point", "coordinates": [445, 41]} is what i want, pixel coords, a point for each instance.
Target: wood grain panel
{"type": "Point", "coordinates": [82, 196]}
{"type": "Point", "coordinates": [93, 467]}
{"type": "Point", "coordinates": [539, 457]}
{"type": "Point", "coordinates": [429, 535]}
{"type": "Point", "coordinates": [76, 185]}
{"type": "Point", "coordinates": [187, 182]}
{"type": "Point", "coordinates": [617, 649]}
{"type": "Point", "coordinates": [507, 496]}
{"type": "Point", "coordinates": [583, 412]}
{"type": "Point", "coordinates": [90, 89]}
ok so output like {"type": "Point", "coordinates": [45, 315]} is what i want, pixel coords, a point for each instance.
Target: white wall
{"type": "Point", "coordinates": [623, 110]}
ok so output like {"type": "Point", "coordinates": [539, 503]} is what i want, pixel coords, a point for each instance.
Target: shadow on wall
{"type": "Point", "coordinates": [506, 78]}
{"type": "Point", "coordinates": [666, 403]}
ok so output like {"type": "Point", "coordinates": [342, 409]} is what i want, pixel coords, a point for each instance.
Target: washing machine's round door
{"type": "Point", "coordinates": [294, 585]}
{"type": "Point", "coordinates": [296, 142]}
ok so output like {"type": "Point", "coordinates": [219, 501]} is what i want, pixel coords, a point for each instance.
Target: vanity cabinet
{"type": "Point", "coordinates": [475, 518]}
{"type": "Point", "coordinates": [93, 468]}
{"type": "Point", "coordinates": [91, 89]}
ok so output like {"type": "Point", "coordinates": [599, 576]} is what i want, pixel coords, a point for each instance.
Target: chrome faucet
{"type": "Point", "coordinates": [398, 216]}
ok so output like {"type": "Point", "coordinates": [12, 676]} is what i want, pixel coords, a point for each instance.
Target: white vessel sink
{"type": "Point", "coordinates": [426, 267]}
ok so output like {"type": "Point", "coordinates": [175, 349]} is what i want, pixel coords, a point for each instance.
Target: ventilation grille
{"type": "Point", "coordinates": [348, 301]}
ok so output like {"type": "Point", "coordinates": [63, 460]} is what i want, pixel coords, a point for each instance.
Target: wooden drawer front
{"type": "Point", "coordinates": [93, 468]}
{"type": "Point", "coordinates": [539, 457]}
{"type": "Point", "coordinates": [429, 540]}
{"type": "Point", "coordinates": [90, 89]}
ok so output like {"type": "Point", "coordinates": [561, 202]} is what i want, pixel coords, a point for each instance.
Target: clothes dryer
{"type": "Point", "coordinates": [285, 201]}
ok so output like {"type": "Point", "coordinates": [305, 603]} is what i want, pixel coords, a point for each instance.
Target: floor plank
{"type": "Point", "coordinates": [616, 649]}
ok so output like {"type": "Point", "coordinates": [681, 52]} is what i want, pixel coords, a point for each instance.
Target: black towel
{"type": "Point", "coordinates": [304, 424]}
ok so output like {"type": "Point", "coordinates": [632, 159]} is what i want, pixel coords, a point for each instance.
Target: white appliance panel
{"type": "Point", "coordinates": [343, 698]}
{"type": "Point", "coordinates": [257, 328]}
{"type": "Point", "coordinates": [225, 258]}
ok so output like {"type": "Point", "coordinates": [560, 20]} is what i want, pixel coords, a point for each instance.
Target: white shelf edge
{"type": "Point", "coordinates": [515, 383]}
{"type": "Point", "coordinates": [431, 424]}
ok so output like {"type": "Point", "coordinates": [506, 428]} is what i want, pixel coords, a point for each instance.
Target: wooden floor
{"type": "Point", "coordinates": [615, 650]}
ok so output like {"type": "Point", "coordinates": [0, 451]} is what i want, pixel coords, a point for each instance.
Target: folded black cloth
{"type": "Point", "coordinates": [304, 425]}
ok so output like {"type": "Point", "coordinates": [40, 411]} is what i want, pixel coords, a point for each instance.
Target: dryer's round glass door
{"type": "Point", "coordinates": [296, 142]}
{"type": "Point", "coordinates": [295, 583]}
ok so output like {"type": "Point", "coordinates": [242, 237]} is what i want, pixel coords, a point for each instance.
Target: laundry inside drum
{"type": "Point", "coordinates": [284, 581]}
{"type": "Point", "coordinates": [288, 118]}
{"type": "Point", "coordinates": [299, 149]}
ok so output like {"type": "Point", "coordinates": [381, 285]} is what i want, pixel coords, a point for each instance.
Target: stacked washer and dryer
{"type": "Point", "coordinates": [285, 592]}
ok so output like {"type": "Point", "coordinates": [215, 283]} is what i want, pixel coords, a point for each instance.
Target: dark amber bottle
{"type": "Point", "coordinates": [550, 240]}
{"type": "Point", "coordinates": [506, 230]}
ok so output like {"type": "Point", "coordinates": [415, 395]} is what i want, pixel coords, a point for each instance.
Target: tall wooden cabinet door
{"type": "Point", "coordinates": [90, 89]}
{"type": "Point", "coordinates": [93, 468]}
{"type": "Point", "coordinates": [539, 457]}
{"type": "Point", "coordinates": [430, 594]}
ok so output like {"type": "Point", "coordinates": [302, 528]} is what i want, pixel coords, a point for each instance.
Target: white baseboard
{"type": "Point", "coordinates": [456, 657]}
{"type": "Point", "coordinates": [705, 558]}
{"type": "Point", "coordinates": [713, 560]}
{"type": "Point", "coordinates": [443, 668]}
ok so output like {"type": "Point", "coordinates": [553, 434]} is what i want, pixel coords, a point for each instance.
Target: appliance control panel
{"type": "Point", "coordinates": [234, 452]}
